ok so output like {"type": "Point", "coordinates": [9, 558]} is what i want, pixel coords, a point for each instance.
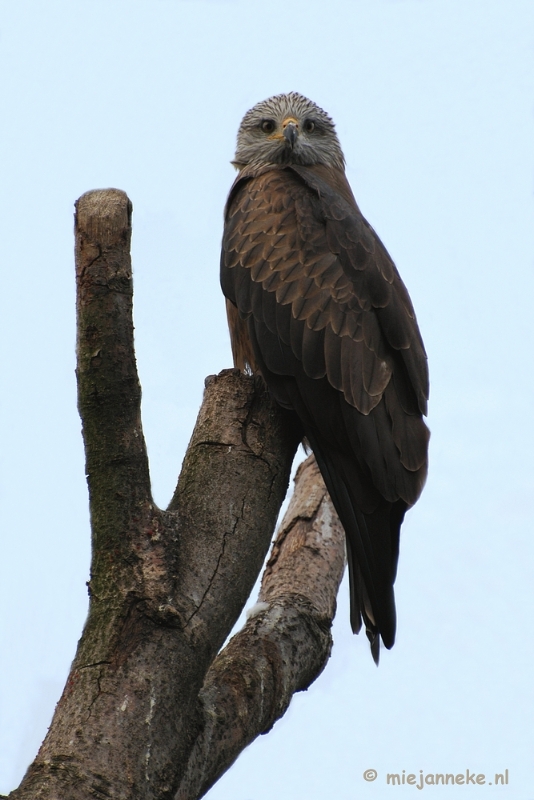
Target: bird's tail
{"type": "Point", "coordinates": [372, 547]}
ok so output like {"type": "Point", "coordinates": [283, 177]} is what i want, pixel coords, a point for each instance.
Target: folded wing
{"type": "Point", "coordinates": [328, 322]}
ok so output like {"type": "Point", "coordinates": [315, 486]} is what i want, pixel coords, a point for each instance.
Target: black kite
{"type": "Point", "coordinates": [317, 307]}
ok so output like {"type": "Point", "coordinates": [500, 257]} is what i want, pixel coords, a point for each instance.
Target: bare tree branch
{"type": "Point", "coordinates": [286, 642]}
{"type": "Point", "coordinates": [166, 587]}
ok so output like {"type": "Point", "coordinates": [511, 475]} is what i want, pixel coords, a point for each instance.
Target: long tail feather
{"type": "Point", "coordinates": [372, 549]}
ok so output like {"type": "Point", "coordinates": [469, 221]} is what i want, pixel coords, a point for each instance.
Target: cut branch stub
{"type": "Point", "coordinates": [109, 393]}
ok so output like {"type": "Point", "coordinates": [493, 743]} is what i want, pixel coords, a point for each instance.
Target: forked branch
{"type": "Point", "coordinates": [149, 708]}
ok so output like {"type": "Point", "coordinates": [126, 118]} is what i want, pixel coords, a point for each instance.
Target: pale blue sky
{"type": "Point", "coordinates": [433, 101]}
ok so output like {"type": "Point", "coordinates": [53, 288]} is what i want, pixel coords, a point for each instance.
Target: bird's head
{"type": "Point", "coordinates": [287, 129]}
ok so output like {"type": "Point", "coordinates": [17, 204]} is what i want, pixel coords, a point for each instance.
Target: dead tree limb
{"type": "Point", "coordinates": [167, 586]}
{"type": "Point", "coordinates": [286, 642]}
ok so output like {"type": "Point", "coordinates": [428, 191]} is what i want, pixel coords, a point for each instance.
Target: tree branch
{"type": "Point", "coordinates": [286, 642]}
{"type": "Point", "coordinates": [166, 587]}
{"type": "Point", "coordinates": [149, 708]}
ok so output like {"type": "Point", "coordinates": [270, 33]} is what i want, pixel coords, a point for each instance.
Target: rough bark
{"type": "Point", "coordinates": [167, 586]}
{"type": "Point", "coordinates": [286, 641]}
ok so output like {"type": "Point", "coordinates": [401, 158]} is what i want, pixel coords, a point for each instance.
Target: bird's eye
{"type": "Point", "coordinates": [268, 126]}
{"type": "Point", "coordinates": [309, 126]}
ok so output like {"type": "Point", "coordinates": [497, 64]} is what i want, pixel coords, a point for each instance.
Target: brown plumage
{"type": "Point", "coordinates": [317, 307]}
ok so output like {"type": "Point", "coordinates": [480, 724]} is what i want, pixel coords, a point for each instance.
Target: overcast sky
{"type": "Point", "coordinates": [433, 102]}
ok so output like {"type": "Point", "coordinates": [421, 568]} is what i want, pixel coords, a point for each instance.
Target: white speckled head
{"type": "Point", "coordinates": [287, 129]}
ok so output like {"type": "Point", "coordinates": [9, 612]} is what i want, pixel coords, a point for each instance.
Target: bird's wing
{"type": "Point", "coordinates": [301, 262]}
{"type": "Point", "coordinates": [332, 329]}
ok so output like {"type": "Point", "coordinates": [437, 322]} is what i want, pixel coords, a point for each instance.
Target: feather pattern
{"type": "Point", "coordinates": [334, 335]}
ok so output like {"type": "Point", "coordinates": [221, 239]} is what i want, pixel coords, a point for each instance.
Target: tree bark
{"type": "Point", "coordinates": [286, 641]}
{"type": "Point", "coordinates": [147, 703]}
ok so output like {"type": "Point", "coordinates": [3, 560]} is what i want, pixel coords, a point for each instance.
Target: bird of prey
{"type": "Point", "coordinates": [317, 308]}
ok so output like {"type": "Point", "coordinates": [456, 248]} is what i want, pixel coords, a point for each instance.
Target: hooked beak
{"type": "Point", "coordinates": [291, 131]}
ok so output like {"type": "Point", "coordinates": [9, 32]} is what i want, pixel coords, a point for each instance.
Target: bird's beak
{"type": "Point", "coordinates": [291, 130]}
